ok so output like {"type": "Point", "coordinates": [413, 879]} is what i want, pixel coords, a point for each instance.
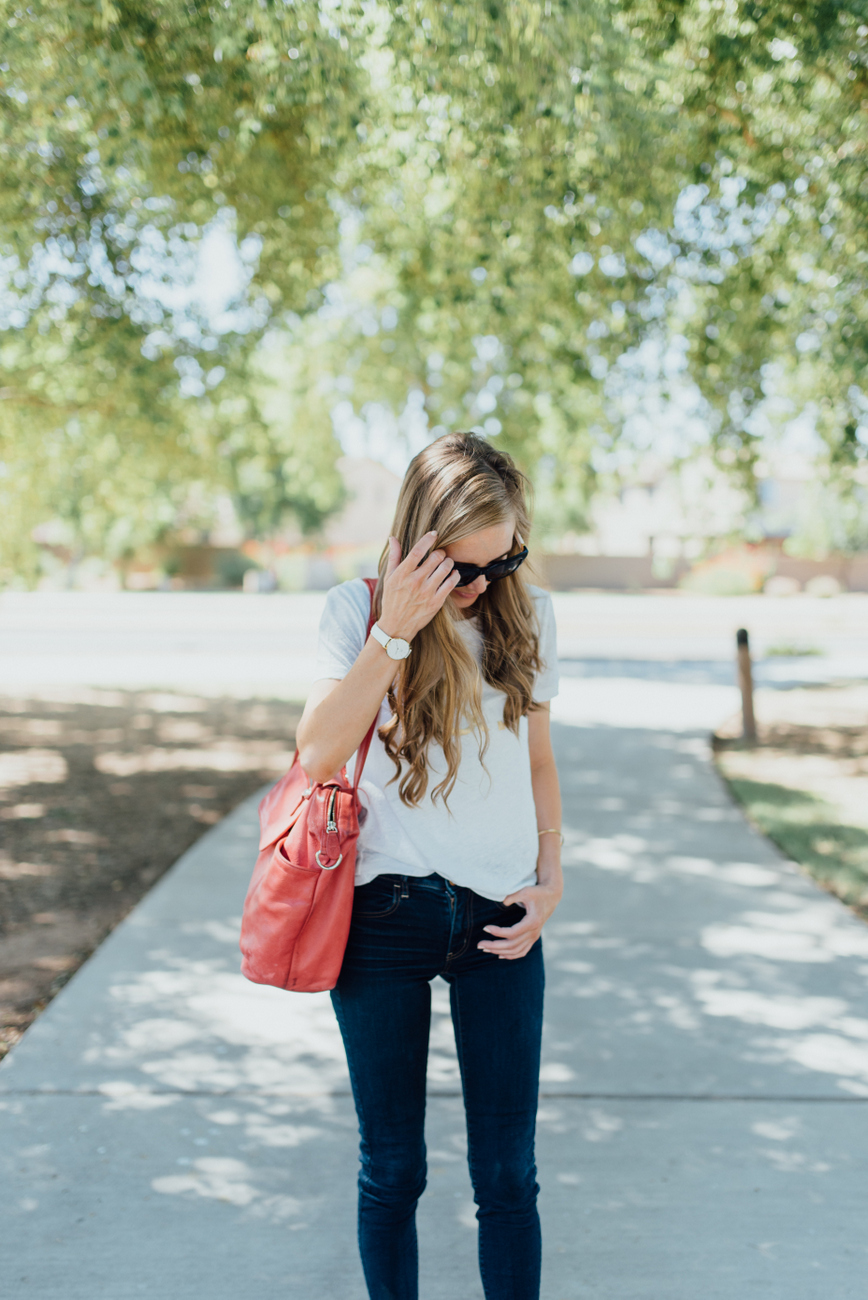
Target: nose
{"type": "Point", "coordinates": [478, 586]}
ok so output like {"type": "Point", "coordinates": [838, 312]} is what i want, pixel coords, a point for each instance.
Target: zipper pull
{"type": "Point", "coordinates": [331, 824]}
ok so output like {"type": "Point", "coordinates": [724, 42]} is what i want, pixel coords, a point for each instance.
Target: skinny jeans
{"type": "Point", "coordinates": [404, 932]}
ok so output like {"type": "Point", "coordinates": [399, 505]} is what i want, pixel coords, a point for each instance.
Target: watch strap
{"type": "Point", "coordinates": [379, 635]}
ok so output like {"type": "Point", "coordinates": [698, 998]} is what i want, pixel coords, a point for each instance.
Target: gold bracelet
{"type": "Point", "coordinates": [552, 830]}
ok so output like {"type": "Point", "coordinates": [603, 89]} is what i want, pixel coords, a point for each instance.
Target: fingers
{"type": "Point", "coordinates": [442, 568]}
{"type": "Point", "coordinates": [394, 556]}
{"type": "Point", "coordinates": [511, 942]}
{"type": "Point", "coordinates": [417, 553]}
{"type": "Point", "coordinates": [415, 588]}
{"type": "Point", "coordinates": [450, 582]}
{"type": "Point", "coordinates": [426, 563]}
{"type": "Point", "coordinates": [434, 565]}
{"type": "Point", "coordinates": [435, 568]}
{"type": "Point", "coordinates": [445, 588]}
{"type": "Point", "coordinates": [510, 951]}
{"type": "Point", "coordinates": [511, 931]}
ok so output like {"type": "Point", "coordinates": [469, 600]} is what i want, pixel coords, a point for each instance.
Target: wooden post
{"type": "Point", "coordinates": [745, 681]}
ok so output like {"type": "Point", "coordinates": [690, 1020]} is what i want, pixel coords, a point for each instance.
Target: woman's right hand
{"type": "Point", "coordinates": [414, 588]}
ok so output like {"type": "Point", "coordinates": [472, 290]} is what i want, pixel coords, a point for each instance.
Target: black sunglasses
{"type": "Point", "coordinates": [498, 569]}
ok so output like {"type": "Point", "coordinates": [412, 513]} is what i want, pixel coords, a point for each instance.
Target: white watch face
{"type": "Point", "coordinates": [397, 648]}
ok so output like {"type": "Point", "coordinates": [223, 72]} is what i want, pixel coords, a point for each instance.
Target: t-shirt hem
{"type": "Point", "coordinates": [392, 868]}
{"type": "Point", "coordinates": [330, 673]}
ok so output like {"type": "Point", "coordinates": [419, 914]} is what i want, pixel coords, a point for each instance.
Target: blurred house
{"type": "Point", "coordinates": [682, 527]}
{"type": "Point", "coordinates": [351, 542]}
{"type": "Point", "coordinates": [348, 546]}
{"type": "Point", "coordinates": [668, 527]}
{"type": "Point", "coordinates": [366, 519]}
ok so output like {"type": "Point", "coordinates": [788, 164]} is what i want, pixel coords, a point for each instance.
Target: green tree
{"type": "Point", "coordinates": [487, 205]}
{"type": "Point", "coordinates": [128, 130]}
{"type": "Point", "coordinates": [778, 99]}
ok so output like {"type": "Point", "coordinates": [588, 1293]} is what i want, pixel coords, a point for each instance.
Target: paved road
{"type": "Point", "coordinates": [171, 1130]}
{"type": "Point", "coordinates": [266, 644]}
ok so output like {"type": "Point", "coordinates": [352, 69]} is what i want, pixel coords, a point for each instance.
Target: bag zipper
{"type": "Point", "coordinates": [331, 824]}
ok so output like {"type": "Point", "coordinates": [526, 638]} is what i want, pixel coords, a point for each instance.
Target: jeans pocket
{"type": "Point", "coordinates": [510, 915]}
{"type": "Point", "coordinates": [379, 897]}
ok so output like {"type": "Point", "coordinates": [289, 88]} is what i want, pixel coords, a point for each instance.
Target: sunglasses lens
{"type": "Point", "coordinates": [506, 567]}
{"type": "Point", "coordinates": [500, 569]}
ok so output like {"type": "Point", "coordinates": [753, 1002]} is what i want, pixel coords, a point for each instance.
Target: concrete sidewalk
{"type": "Point", "coordinates": [171, 1130]}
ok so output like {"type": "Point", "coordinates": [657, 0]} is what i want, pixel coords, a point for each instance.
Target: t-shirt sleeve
{"type": "Point", "coordinates": [342, 629]}
{"type": "Point", "coordinates": [546, 685]}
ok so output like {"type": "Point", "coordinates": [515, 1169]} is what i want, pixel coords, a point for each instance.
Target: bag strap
{"type": "Point", "coordinates": [371, 584]}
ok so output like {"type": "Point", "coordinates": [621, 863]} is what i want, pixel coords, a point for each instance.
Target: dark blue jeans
{"type": "Point", "coordinates": [405, 931]}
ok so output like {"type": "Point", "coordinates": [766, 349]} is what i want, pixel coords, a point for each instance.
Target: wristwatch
{"type": "Point", "coordinates": [394, 646]}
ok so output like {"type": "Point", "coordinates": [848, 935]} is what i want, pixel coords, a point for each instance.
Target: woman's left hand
{"type": "Point", "coordinates": [514, 941]}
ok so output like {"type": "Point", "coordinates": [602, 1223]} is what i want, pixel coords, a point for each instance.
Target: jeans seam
{"type": "Point", "coordinates": [372, 916]}
{"type": "Point", "coordinates": [454, 897]}
{"type": "Point", "coordinates": [378, 916]}
{"type": "Point", "coordinates": [469, 927]}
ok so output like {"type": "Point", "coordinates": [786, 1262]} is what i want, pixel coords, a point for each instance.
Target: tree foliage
{"type": "Point", "coordinates": [128, 130]}
{"type": "Point", "coordinates": [489, 205]}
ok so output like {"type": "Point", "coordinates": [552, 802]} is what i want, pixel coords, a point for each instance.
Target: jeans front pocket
{"type": "Point", "coordinates": [511, 915]}
{"type": "Point", "coordinates": [379, 897]}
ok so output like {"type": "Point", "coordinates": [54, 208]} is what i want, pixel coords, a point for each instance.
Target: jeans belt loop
{"type": "Point", "coordinates": [405, 888]}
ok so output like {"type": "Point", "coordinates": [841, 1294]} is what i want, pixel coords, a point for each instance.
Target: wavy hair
{"type": "Point", "coordinates": [458, 485]}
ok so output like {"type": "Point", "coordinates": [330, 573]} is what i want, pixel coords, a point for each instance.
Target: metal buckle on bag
{"type": "Point", "coordinates": [333, 865]}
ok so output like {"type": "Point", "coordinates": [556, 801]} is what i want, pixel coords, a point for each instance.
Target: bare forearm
{"type": "Point", "coordinates": [539, 900]}
{"type": "Point", "coordinates": [329, 734]}
{"type": "Point", "coordinates": [547, 801]}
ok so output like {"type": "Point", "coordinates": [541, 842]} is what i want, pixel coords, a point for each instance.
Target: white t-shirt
{"type": "Point", "coordinates": [487, 837]}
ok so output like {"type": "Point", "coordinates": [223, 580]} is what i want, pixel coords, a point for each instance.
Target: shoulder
{"type": "Point", "coordinates": [347, 607]}
{"type": "Point", "coordinates": [545, 617]}
{"type": "Point", "coordinates": [546, 686]}
{"type": "Point", "coordinates": [342, 627]}
{"type": "Point", "coordinates": [539, 594]}
{"type": "Point", "coordinates": [542, 603]}
{"type": "Point", "coordinates": [352, 596]}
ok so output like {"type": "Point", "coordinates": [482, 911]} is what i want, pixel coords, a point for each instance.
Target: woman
{"type": "Point", "coordinates": [458, 864]}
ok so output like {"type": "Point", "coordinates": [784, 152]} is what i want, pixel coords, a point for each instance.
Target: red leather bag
{"type": "Point", "coordinates": [297, 912]}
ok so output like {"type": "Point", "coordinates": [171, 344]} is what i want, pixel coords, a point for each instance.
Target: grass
{"type": "Point", "coordinates": [806, 829]}
{"type": "Point", "coordinates": [788, 651]}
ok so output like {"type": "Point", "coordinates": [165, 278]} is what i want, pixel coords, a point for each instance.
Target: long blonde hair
{"type": "Point", "coordinates": [459, 485]}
